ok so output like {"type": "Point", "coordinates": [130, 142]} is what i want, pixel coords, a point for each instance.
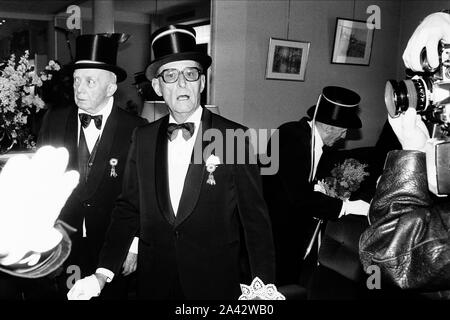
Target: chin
{"type": "Point", "coordinates": [184, 107]}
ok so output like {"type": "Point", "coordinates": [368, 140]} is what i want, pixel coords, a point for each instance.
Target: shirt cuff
{"type": "Point", "coordinates": [134, 246]}
{"type": "Point", "coordinates": [343, 209]}
{"type": "Point", "coordinates": [107, 273]}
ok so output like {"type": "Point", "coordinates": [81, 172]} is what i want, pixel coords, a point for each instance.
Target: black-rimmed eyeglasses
{"type": "Point", "coordinates": [191, 74]}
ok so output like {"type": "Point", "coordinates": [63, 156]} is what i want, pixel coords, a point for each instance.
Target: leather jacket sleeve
{"type": "Point", "coordinates": [409, 233]}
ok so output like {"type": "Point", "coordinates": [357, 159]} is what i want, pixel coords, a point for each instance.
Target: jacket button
{"type": "Point", "coordinates": [177, 234]}
{"type": "Point", "coordinates": [86, 204]}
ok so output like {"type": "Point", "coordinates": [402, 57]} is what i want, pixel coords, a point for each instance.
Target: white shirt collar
{"type": "Point", "coordinates": [318, 138]}
{"type": "Point", "coordinates": [195, 117]}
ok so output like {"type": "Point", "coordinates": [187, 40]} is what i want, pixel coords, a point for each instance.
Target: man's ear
{"type": "Point", "coordinates": [111, 89]}
{"type": "Point", "coordinates": [202, 82]}
{"type": "Point", "coordinates": [156, 86]}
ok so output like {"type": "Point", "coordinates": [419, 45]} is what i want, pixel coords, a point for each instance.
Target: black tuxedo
{"type": "Point", "coordinates": [201, 249]}
{"type": "Point", "coordinates": [92, 200]}
{"type": "Point", "coordinates": [292, 201]}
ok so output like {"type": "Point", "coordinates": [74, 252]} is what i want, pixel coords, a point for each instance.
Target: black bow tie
{"type": "Point", "coordinates": [187, 128]}
{"type": "Point", "coordinates": [86, 120]}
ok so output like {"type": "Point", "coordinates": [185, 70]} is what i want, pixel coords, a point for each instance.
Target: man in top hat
{"type": "Point", "coordinates": [97, 134]}
{"type": "Point", "coordinates": [294, 205]}
{"type": "Point", "coordinates": [203, 222]}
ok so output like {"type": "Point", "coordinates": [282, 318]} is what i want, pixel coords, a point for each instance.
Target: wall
{"type": "Point", "coordinates": [241, 31]}
{"type": "Point", "coordinates": [133, 57]}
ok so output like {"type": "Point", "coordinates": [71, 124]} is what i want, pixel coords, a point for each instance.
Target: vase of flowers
{"type": "Point", "coordinates": [345, 179]}
{"type": "Point", "coordinates": [19, 100]}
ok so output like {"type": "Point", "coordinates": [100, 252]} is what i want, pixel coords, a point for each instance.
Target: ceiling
{"type": "Point", "coordinates": [49, 7]}
{"type": "Point", "coordinates": [35, 7]}
{"type": "Point", "coordinates": [23, 11]}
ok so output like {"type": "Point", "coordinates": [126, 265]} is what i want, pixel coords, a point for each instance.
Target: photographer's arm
{"type": "Point", "coordinates": [408, 233]}
{"type": "Point", "coordinates": [408, 237]}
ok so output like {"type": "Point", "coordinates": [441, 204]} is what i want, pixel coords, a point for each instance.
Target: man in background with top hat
{"type": "Point", "coordinates": [296, 206]}
{"type": "Point", "coordinates": [204, 225]}
{"type": "Point", "coordinates": [97, 134]}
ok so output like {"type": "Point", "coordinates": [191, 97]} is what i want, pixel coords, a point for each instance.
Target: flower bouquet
{"type": "Point", "coordinates": [18, 100]}
{"type": "Point", "coordinates": [345, 178]}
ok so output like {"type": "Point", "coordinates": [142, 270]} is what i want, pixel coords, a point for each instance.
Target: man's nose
{"type": "Point", "coordinates": [181, 80]}
{"type": "Point", "coordinates": [78, 87]}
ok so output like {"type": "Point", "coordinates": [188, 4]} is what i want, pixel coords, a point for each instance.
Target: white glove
{"type": "Point", "coordinates": [358, 207]}
{"type": "Point", "coordinates": [433, 28]}
{"type": "Point", "coordinates": [410, 130]}
{"type": "Point", "coordinates": [85, 289]}
{"type": "Point", "coordinates": [32, 194]}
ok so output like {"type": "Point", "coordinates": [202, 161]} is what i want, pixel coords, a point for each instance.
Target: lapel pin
{"type": "Point", "coordinates": [113, 162]}
{"type": "Point", "coordinates": [211, 164]}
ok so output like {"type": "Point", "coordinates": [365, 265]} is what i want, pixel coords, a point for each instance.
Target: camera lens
{"type": "Point", "coordinates": [391, 98]}
{"type": "Point", "coordinates": [401, 95]}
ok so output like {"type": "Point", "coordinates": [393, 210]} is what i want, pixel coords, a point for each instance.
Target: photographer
{"type": "Point", "coordinates": [409, 234]}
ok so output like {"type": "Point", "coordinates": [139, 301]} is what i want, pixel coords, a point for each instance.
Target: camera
{"type": "Point", "coordinates": [427, 92]}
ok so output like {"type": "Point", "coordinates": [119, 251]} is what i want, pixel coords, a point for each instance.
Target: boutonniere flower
{"type": "Point", "coordinates": [211, 164]}
{"type": "Point", "coordinates": [113, 162]}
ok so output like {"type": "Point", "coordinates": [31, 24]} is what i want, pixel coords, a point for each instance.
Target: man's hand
{"type": "Point", "coordinates": [434, 27]}
{"type": "Point", "coordinates": [87, 288]}
{"type": "Point", "coordinates": [130, 264]}
{"type": "Point", "coordinates": [410, 130]}
{"type": "Point", "coordinates": [32, 193]}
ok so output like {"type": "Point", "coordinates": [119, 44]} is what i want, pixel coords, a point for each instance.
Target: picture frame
{"type": "Point", "coordinates": [353, 41]}
{"type": "Point", "coordinates": [287, 59]}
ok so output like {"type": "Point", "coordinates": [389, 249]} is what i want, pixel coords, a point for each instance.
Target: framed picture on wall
{"type": "Point", "coordinates": [352, 42]}
{"type": "Point", "coordinates": [287, 59]}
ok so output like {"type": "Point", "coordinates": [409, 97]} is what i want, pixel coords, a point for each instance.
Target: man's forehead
{"type": "Point", "coordinates": [333, 128]}
{"type": "Point", "coordinates": [179, 64]}
{"type": "Point", "coordinates": [92, 72]}
{"type": "Point", "coordinates": [338, 128]}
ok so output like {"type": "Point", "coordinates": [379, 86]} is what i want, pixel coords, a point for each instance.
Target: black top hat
{"type": "Point", "coordinates": [174, 43]}
{"type": "Point", "coordinates": [97, 51]}
{"type": "Point", "coordinates": [338, 107]}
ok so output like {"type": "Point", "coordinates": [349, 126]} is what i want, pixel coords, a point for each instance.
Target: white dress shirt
{"type": "Point", "coordinates": [91, 133]}
{"type": "Point", "coordinates": [179, 152]}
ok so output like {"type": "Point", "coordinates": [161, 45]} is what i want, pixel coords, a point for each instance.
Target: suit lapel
{"type": "Point", "coordinates": [162, 173]}
{"type": "Point", "coordinates": [101, 160]}
{"type": "Point", "coordinates": [195, 174]}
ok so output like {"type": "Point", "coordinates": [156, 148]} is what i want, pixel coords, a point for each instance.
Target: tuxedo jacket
{"type": "Point", "coordinates": [217, 230]}
{"type": "Point", "coordinates": [291, 199]}
{"type": "Point", "coordinates": [92, 200]}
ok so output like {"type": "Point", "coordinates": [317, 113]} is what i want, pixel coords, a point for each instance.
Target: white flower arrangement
{"type": "Point", "coordinates": [18, 98]}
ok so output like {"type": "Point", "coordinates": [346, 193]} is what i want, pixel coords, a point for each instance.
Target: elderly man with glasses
{"type": "Point", "coordinates": [203, 224]}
